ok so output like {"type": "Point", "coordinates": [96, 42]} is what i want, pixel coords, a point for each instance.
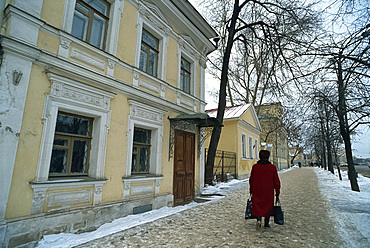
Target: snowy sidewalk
{"type": "Point", "coordinates": [221, 223]}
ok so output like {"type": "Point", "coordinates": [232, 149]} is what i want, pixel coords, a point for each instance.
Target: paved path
{"type": "Point", "coordinates": [222, 224]}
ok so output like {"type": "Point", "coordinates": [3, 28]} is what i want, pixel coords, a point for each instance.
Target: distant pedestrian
{"type": "Point", "coordinates": [263, 181]}
{"type": "Point", "coordinates": [299, 164]}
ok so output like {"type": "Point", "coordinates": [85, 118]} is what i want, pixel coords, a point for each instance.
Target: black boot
{"type": "Point", "coordinates": [267, 220]}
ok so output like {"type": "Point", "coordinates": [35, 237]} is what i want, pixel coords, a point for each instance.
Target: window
{"type": "Point", "coordinates": [256, 148]}
{"type": "Point", "coordinates": [244, 146]}
{"type": "Point", "coordinates": [141, 151]}
{"type": "Point", "coordinates": [93, 118]}
{"type": "Point", "coordinates": [149, 54]}
{"type": "Point", "coordinates": [250, 147]}
{"type": "Point", "coordinates": [185, 76]}
{"type": "Point", "coordinates": [71, 147]}
{"type": "Point", "coordinates": [90, 21]}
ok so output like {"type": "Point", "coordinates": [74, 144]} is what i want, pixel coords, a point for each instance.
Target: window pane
{"type": "Point", "coordinates": [142, 136]}
{"type": "Point", "coordinates": [187, 82]}
{"type": "Point", "coordinates": [99, 5]}
{"type": "Point", "coordinates": [58, 162]}
{"type": "Point", "coordinates": [97, 31]}
{"type": "Point", "coordinates": [73, 125]}
{"type": "Point", "coordinates": [60, 142]}
{"type": "Point", "coordinates": [79, 26]}
{"type": "Point", "coordinates": [185, 64]}
{"type": "Point", "coordinates": [79, 158]}
{"type": "Point", "coordinates": [150, 40]}
{"type": "Point", "coordinates": [134, 163]}
{"type": "Point", "coordinates": [82, 9]}
{"type": "Point", "coordinates": [144, 159]}
{"type": "Point", "coordinates": [152, 68]}
{"type": "Point", "coordinates": [182, 80]}
{"type": "Point", "coordinates": [143, 61]}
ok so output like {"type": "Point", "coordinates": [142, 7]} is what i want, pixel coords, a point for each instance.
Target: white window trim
{"type": "Point", "coordinates": [116, 10]}
{"type": "Point", "coordinates": [256, 148]}
{"type": "Point", "coordinates": [77, 98]}
{"type": "Point", "coordinates": [150, 118]}
{"type": "Point", "coordinates": [156, 31]}
{"type": "Point", "coordinates": [244, 149]}
{"type": "Point", "coordinates": [193, 69]}
{"type": "Point", "coordinates": [250, 147]}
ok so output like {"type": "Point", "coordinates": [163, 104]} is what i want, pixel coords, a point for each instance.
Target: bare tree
{"type": "Point", "coordinates": [241, 29]}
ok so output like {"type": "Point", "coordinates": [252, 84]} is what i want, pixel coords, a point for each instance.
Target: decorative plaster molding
{"type": "Point", "coordinates": [65, 43]}
{"type": "Point", "coordinates": [155, 16]}
{"type": "Point", "coordinates": [82, 94]}
{"type": "Point", "coordinates": [151, 186]}
{"type": "Point", "coordinates": [142, 189]}
{"type": "Point", "coordinates": [86, 58]}
{"type": "Point", "coordinates": [149, 86]}
{"type": "Point", "coordinates": [66, 199]}
{"type": "Point", "coordinates": [145, 114]}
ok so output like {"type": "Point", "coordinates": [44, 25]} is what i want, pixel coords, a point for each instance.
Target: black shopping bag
{"type": "Point", "coordinates": [278, 213]}
{"type": "Point", "coordinates": [248, 210]}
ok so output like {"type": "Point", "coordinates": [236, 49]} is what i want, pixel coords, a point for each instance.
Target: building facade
{"type": "Point", "coordinates": [274, 136]}
{"type": "Point", "coordinates": [241, 135]}
{"type": "Point", "coordinates": [88, 89]}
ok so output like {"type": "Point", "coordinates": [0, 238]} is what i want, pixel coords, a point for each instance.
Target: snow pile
{"type": "Point", "coordinates": [350, 209]}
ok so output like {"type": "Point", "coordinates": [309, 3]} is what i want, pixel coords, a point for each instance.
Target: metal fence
{"type": "Point", "coordinates": [224, 168]}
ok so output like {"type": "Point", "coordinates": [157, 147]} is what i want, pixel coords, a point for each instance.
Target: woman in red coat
{"type": "Point", "coordinates": [262, 182]}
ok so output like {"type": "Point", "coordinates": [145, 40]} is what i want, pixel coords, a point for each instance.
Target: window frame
{"type": "Point", "coordinates": [149, 118]}
{"type": "Point", "coordinates": [150, 48]}
{"type": "Point", "coordinates": [185, 71]}
{"type": "Point", "coordinates": [161, 32]}
{"type": "Point", "coordinates": [90, 16]}
{"type": "Point", "coordinates": [193, 61]}
{"type": "Point", "coordinates": [140, 145]}
{"type": "Point", "coordinates": [57, 101]}
{"type": "Point", "coordinates": [244, 145]}
{"type": "Point", "coordinates": [256, 148]}
{"type": "Point", "coordinates": [71, 138]}
{"type": "Point", "coordinates": [115, 14]}
{"type": "Point", "coordinates": [250, 146]}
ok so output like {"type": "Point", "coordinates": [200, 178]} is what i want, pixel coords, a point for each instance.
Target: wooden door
{"type": "Point", "coordinates": [183, 183]}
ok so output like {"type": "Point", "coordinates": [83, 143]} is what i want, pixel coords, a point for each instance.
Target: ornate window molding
{"type": "Point", "coordinates": [191, 56]}
{"type": "Point", "coordinates": [149, 19]}
{"type": "Point", "coordinates": [116, 10]}
{"type": "Point", "coordinates": [150, 118]}
{"type": "Point", "coordinates": [76, 98]}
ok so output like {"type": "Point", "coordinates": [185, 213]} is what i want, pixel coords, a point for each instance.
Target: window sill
{"type": "Point", "coordinates": [83, 179]}
{"type": "Point", "coordinates": [141, 176]}
{"type": "Point", "coordinates": [249, 159]}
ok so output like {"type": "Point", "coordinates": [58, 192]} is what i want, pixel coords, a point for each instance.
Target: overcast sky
{"type": "Point", "coordinates": [360, 145]}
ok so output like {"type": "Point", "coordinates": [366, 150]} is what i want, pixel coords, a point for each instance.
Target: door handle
{"type": "Point", "coordinates": [180, 160]}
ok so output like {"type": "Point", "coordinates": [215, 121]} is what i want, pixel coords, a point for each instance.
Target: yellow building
{"type": "Point", "coordinates": [240, 135]}
{"type": "Point", "coordinates": [274, 136]}
{"type": "Point", "coordinates": [87, 92]}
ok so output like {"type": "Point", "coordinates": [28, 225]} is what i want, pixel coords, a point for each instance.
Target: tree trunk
{"type": "Point", "coordinates": [344, 129]}
{"type": "Point", "coordinates": [328, 142]}
{"type": "Point", "coordinates": [216, 133]}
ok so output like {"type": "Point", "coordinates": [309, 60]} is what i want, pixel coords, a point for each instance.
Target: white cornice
{"type": "Point", "coordinates": [55, 64]}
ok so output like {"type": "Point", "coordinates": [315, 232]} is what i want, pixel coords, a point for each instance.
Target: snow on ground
{"type": "Point", "coordinates": [350, 209]}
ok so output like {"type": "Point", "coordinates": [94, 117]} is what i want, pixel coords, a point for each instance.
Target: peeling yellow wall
{"type": "Point", "coordinates": [172, 63]}
{"type": "Point", "coordinates": [127, 34]}
{"type": "Point", "coordinates": [20, 196]}
{"type": "Point", "coordinates": [115, 163]}
{"type": "Point", "coordinates": [52, 12]}
{"type": "Point", "coordinates": [48, 42]}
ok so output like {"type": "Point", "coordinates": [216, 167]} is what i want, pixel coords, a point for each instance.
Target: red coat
{"type": "Point", "coordinates": [262, 182]}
